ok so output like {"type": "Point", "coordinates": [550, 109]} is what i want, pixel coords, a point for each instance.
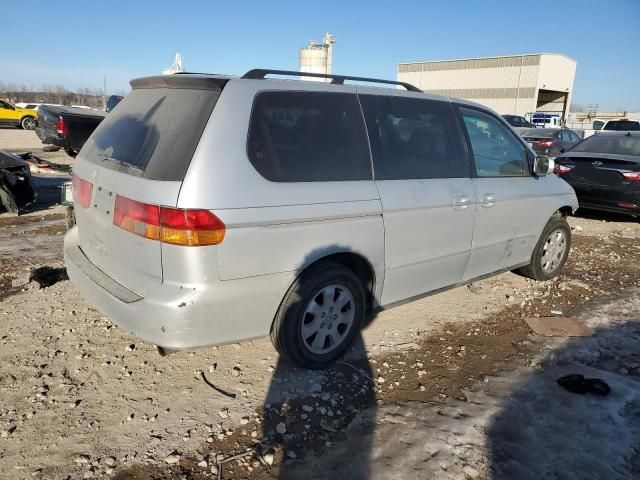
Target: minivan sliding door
{"type": "Point", "coordinates": [422, 173]}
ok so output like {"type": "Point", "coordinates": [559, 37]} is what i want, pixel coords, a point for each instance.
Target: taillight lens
{"type": "Point", "coordinates": [559, 169]}
{"type": "Point", "coordinates": [176, 226]}
{"type": "Point", "coordinates": [546, 143]}
{"type": "Point", "coordinates": [82, 190]}
{"type": "Point", "coordinates": [62, 128]}
{"type": "Point", "coordinates": [632, 176]}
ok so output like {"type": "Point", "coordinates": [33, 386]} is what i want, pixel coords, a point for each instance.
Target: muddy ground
{"type": "Point", "coordinates": [451, 386]}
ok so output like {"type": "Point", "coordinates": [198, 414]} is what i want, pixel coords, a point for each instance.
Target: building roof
{"type": "Point", "coordinates": [489, 58]}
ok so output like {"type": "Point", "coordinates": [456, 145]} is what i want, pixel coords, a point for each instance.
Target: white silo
{"type": "Point", "coordinates": [317, 57]}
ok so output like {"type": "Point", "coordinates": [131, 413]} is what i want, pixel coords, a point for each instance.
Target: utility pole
{"type": "Point", "coordinates": [104, 93]}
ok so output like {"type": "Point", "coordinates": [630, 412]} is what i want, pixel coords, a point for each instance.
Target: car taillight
{"type": "Point", "coordinates": [632, 176]}
{"type": "Point", "coordinates": [546, 143]}
{"type": "Point", "coordinates": [176, 226]}
{"type": "Point", "coordinates": [62, 128]}
{"type": "Point", "coordinates": [82, 190]}
{"type": "Point", "coordinates": [559, 169]}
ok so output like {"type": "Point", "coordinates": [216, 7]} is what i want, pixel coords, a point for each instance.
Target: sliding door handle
{"type": "Point", "coordinates": [488, 200]}
{"type": "Point", "coordinates": [461, 202]}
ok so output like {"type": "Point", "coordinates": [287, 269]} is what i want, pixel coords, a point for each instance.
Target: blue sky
{"type": "Point", "coordinates": [76, 43]}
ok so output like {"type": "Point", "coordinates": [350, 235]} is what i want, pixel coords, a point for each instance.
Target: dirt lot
{"type": "Point", "coordinates": [451, 386]}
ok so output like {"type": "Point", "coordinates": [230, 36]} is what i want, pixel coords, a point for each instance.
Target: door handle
{"type": "Point", "coordinates": [488, 200]}
{"type": "Point", "coordinates": [461, 202]}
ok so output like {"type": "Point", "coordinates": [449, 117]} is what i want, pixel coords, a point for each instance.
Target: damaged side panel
{"type": "Point", "coordinates": [16, 186]}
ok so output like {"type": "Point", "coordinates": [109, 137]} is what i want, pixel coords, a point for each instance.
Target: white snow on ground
{"type": "Point", "coordinates": [521, 425]}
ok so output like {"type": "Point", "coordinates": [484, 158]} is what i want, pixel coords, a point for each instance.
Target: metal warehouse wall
{"type": "Point", "coordinates": [506, 84]}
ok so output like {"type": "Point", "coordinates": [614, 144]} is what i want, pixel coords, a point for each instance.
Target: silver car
{"type": "Point", "coordinates": [212, 209]}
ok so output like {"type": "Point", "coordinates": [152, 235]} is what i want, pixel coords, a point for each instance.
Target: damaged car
{"type": "Point", "coordinates": [16, 186]}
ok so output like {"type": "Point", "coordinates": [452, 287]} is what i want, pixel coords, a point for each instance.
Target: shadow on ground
{"type": "Point", "coordinates": [545, 431]}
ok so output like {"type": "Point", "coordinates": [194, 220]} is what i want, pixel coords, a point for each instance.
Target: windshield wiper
{"type": "Point", "coordinates": [121, 163]}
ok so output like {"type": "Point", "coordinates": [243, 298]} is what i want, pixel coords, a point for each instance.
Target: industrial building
{"type": "Point", "coordinates": [317, 57]}
{"type": "Point", "coordinates": [516, 84]}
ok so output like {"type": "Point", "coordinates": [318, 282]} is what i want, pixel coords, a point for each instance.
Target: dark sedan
{"type": "Point", "coordinates": [604, 170]}
{"type": "Point", "coordinates": [550, 142]}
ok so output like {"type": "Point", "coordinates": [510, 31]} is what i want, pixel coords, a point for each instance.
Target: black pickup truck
{"type": "Point", "coordinates": [70, 127]}
{"type": "Point", "coordinates": [67, 127]}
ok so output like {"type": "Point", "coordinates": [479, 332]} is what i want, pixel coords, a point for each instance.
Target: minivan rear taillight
{"type": "Point", "coordinates": [176, 226]}
{"type": "Point", "coordinates": [62, 128]}
{"type": "Point", "coordinates": [546, 143]}
{"type": "Point", "coordinates": [82, 190]}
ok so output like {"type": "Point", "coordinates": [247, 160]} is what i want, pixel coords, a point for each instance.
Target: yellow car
{"type": "Point", "coordinates": [20, 117]}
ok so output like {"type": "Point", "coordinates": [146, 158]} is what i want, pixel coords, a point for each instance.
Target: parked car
{"type": "Point", "coordinates": [19, 117]}
{"type": "Point", "coordinates": [518, 123]}
{"type": "Point", "coordinates": [547, 120]}
{"type": "Point", "coordinates": [550, 142]}
{"type": "Point", "coordinates": [67, 127]}
{"type": "Point", "coordinates": [622, 125]}
{"type": "Point", "coordinates": [212, 209]}
{"type": "Point", "coordinates": [604, 170]}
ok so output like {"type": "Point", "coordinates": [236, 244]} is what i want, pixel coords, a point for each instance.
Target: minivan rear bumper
{"type": "Point", "coordinates": [177, 316]}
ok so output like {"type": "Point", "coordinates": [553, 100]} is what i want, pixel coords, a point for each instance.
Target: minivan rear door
{"type": "Point", "coordinates": [422, 174]}
{"type": "Point", "coordinates": [140, 152]}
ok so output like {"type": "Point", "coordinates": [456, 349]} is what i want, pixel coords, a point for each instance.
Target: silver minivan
{"type": "Point", "coordinates": [212, 209]}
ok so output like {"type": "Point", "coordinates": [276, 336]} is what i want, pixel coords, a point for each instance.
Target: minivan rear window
{"type": "Point", "coordinates": [308, 137]}
{"type": "Point", "coordinates": [153, 133]}
{"type": "Point", "coordinates": [624, 125]}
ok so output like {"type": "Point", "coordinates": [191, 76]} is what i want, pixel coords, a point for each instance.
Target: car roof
{"type": "Point", "coordinates": [258, 75]}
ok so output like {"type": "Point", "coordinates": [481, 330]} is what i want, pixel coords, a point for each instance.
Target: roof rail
{"type": "Point", "coordinates": [260, 73]}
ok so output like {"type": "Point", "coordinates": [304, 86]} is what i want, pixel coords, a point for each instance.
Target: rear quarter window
{"type": "Point", "coordinates": [308, 137]}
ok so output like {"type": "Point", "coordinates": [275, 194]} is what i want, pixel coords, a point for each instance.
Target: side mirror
{"type": "Point", "coordinates": [543, 166]}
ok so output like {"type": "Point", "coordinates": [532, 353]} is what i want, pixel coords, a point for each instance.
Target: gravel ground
{"type": "Point", "coordinates": [427, 392]}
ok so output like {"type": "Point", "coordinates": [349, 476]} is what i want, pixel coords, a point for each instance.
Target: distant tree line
{"type": "Point", "coordinates": [53, 94]}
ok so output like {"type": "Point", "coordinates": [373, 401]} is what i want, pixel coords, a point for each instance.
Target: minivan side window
{"type": "Point", "coordinates": [308, 137]}
{"type": "Point", "coordinates": [496, 151]}
{"type": "Point", "coordinates": [413, 138]}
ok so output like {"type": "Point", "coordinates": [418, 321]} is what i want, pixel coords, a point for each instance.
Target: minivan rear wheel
{"type": "Point", "coordinates": [551, 251]}
{"type": "Point", "coordinates": [319, 316]}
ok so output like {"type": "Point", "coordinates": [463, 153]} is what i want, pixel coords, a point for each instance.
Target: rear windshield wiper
{"type": "Point", "coordinates": [122, 164]}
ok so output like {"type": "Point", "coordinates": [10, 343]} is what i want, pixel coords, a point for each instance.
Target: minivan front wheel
{"type": "Point", "coordinates": [551, 251]}
{"type": "Point", "coordinates": [320, 316]}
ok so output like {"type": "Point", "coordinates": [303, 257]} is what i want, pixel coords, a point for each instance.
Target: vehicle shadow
{"type": "Point", "coordinates": [545, 431]}
{"type": "Point", "coordinates": [307, 412]}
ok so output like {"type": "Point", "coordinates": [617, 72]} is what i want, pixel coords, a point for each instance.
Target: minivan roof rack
{"type": "Point", "coordinates": [260, 73]}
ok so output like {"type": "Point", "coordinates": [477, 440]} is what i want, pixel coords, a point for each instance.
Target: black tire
{"type": "Point", "coordinates": [535, 269]}
{"type": "Point", "coordinates": [286, 333]}
{"type": "Point", "coordinates": [28, 123]}
{"type": "Point", "coordinates": [72, 153]}
{"type": "Point", "coordinates": [69, 217]}
{"type": "Point", "coordinates": [7, 201]}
